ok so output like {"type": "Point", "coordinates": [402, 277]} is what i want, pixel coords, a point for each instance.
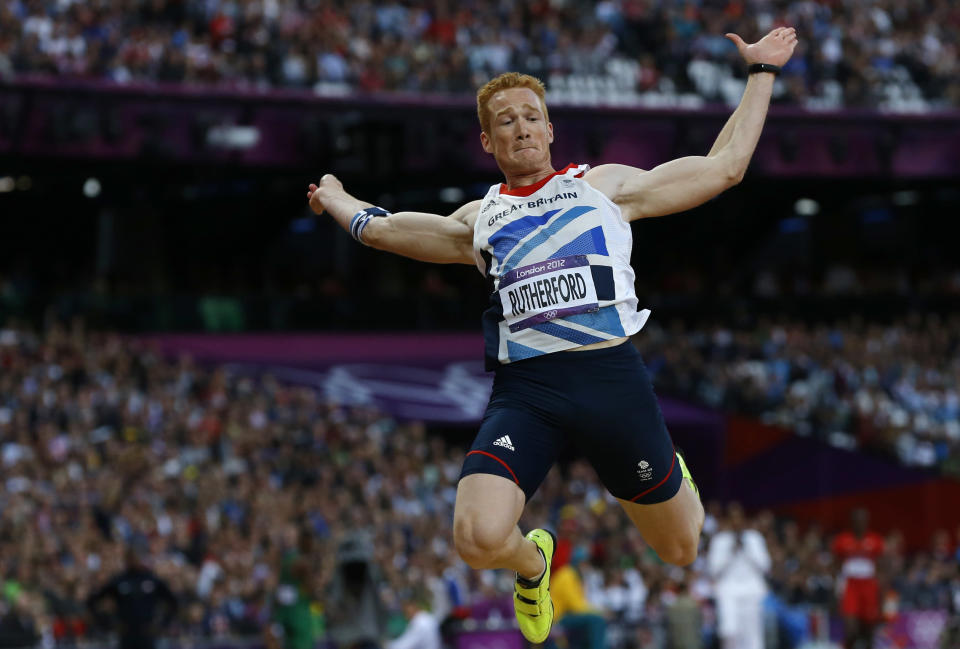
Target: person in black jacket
{"type": "Point", "coordinates": [18, 627]}
{"type": "Point", "coordinates": [138, 595]}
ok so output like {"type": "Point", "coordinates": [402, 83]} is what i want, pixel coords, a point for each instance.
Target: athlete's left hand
{"type": "Point", "coordinates": [776, 47]}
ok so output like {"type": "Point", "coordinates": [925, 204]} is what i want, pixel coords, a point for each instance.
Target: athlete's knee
{"type": "Point", "coordinates": [477, 544]}
{"type": "Point", "coordinates": [679, 551]}
{"type": "Point", "coordinates": [680, 547]}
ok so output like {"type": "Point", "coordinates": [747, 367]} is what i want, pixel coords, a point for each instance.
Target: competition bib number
{"type": "Point", "coordinates": [546, 290]}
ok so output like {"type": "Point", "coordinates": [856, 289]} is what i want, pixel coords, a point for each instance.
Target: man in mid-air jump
{"type": "Point", "coordinates": [556, 247]}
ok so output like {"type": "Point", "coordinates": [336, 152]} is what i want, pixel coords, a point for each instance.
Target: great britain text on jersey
{"type": "Point", "coordinates": [540, 202]}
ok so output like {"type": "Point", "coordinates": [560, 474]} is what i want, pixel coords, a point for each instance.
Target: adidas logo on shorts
{"type": "Point", "coordinates": [504, 442]}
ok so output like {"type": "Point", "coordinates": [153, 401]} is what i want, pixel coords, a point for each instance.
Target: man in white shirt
{"type": "Point", "coordinates": [423, 628]}
{"type": "Point", "coordinates": [738, 562]}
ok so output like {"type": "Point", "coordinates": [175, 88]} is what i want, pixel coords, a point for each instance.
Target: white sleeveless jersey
{"type": "Point", "coordinates": [558, 254]}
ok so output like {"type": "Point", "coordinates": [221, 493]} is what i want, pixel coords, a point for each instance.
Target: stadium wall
{"type": "Point", "coordinates": [375, 135]}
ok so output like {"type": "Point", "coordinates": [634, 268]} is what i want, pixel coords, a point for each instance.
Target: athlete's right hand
{"type": "Point", "coordinates": [318, 194]}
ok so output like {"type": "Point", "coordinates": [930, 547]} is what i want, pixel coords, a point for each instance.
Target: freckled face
{"type": "Point", "coordinates": [519, 135]}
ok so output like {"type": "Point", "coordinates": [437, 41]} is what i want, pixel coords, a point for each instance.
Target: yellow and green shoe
{"type": "Point", "coordinates": [687, 474]}
{"type": "Point", "coordinates": [532, 602]}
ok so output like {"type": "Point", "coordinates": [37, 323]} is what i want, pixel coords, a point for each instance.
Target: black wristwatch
{"type": "Point", "coordinates": [763, 67]}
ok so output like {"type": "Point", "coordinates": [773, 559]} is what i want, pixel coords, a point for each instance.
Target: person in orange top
{"type": "Point", "coordinates": [857, 551]}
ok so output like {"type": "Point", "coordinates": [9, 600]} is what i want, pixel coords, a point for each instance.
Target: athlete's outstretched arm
{"type": "Point", "coordinates": [684, 183]}
{"type": "Point", "coordinates": [421, 236]}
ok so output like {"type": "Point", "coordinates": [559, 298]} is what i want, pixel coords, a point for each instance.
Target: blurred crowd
{"type": "Point", "coordinates": [889, 388]}
{"type": "Point", "coordinates": [250, 498]}
{"type": "Point", "coordinates": [896, 55]}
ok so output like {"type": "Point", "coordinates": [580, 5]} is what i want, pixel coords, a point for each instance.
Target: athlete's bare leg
{"type": "Point", "coordinates": [672, 528]}
{"type": "Point", "coordinates": [485, 530]}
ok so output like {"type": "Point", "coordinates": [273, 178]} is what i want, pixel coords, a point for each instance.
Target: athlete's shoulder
{"type": "Point", "coordinates": [608, 178]}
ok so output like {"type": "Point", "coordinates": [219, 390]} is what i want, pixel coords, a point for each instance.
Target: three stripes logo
{"type": "Point", "coordinates": [505, 442]}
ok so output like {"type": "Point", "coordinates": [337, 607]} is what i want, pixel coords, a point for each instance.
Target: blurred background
{"type": "Point", "coordinates": [223, 423]}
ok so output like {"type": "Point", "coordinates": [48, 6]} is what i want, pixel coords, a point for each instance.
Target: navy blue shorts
{"type": "Point", "coordinates": [601, 401]}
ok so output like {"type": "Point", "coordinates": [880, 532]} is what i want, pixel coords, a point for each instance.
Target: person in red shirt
{"type": "Point", "coordinates": [857, 552]}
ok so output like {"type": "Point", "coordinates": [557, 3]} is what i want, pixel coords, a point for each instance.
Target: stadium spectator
{"type": "Point", "coordinates": [423, 627]}
{"type": "Point", "coordinates": [103, 443]}
{"type": "Point", "coordinates": [19, 626]}
{"type": "Point", "coordinates": [738, 561]}
{"type": "Point", "coordinates": [891, 389]}
{"type": "Point", "coordinates": [894, 56]}
{"type": "Point", "coordinates": [684, 626]}
{"type": "Point", "coordinates": [858, 551]}
{"type": "Point", "coordinates": [295, 622]}
{"type": "Point", "coordinates": [144, 604]}
{"type": "Point", "coordinates": [356, 614]}
{"type": "Point", "coordinates": [574, 614]}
